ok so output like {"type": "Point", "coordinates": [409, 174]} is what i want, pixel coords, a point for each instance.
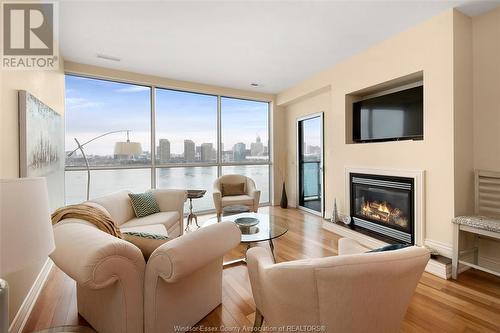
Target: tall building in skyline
{"type": "Point", "coordinates": [257, 147]}
{"type": "Point", "coordinates": [239, 151]}
{"type": "Point", "coordinates": [189, 150]}
{"type": "Point", "coordinates": [164, 151]}
{"type": "Point", "coordinates": [207, 152]}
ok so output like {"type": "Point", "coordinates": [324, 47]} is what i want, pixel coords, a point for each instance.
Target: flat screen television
{"type": "Point", "coordinates": [395, 116]}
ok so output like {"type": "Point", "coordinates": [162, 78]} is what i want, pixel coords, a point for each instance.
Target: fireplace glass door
{"type": "Point", "coordinates": [384, 202]}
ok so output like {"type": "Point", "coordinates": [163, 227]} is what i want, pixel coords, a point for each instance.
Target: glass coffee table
{"type": "Point", "coordinates": [268, 228]}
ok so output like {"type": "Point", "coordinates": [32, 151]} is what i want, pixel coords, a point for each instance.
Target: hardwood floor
{"type": "Point", "coordinates": [471, 304]}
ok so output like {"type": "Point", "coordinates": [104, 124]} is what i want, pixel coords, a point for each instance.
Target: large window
{"type": "Point", "coordinates": [95, 107]}
{"type": "Point", "coordinates": [180, 151]}
{"type": "Point", "coordinates": [186, 127]}
{"type": "Point", "coordinates": [245, 130]}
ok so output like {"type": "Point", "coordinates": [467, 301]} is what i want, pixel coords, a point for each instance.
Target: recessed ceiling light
{"type": "Point", "coordinates": [107, 57]}
{"type": "Point", "coordinates": [254, 84]}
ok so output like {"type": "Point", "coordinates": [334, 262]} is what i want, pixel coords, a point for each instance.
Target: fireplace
{"type": "Point", "coordinates": [384, 205]}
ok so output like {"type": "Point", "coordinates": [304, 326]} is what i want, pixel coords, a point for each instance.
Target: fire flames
{"type": "Point", "coordinates": [384, 212]}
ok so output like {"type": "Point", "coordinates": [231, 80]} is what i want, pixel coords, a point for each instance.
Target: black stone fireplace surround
{"type": "Point", "coordinates": [383, 205]}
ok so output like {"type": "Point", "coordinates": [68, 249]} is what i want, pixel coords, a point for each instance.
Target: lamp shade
{"type": "Point", "coordinates": [26, 235]}
{"type": "Point", "coordinates": [128, 148]}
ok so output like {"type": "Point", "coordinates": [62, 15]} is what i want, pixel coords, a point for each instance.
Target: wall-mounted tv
{"type": "Point", "coordinates": [394, 116]}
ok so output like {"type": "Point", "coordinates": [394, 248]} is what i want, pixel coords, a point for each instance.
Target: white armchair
{"type": "Point", "coordinates": [118, 292]}
{"type": "Point", "coordinates": [250, 198]}
{"type": "Point", "coordinates": [367, 292]}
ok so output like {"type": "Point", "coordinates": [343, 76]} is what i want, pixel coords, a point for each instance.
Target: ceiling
{"type": "Point", "coordinates": [233, 44]}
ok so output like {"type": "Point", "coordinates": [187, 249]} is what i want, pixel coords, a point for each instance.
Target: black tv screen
{"type": "Point", "coordinates": [395, 116]}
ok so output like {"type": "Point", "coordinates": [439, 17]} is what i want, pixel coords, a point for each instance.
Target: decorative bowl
{"type": "Point", "coordinates": [246, 221]}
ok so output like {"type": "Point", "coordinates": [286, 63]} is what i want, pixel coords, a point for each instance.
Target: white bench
{"type": "Point", "coordinates": [485, 223]}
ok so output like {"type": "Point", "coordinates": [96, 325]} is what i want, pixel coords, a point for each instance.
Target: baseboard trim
{"type": "Point", "coordinates": [444, 249]}
{"type": "Point", "coordinates": [24, 311]}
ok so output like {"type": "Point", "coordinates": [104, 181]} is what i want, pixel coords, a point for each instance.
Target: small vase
{"type": "Point", "coordinates": [284, 199]}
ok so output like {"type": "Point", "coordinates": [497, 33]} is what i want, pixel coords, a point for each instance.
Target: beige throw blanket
{"type": "Point", "coordinates": [89, 213]}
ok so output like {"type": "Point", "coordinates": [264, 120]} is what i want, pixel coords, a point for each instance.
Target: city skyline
{"type": "Point", "coordinates": [204, 152]}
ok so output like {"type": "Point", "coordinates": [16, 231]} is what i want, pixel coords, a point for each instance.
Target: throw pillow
{"type": "Point", "coordinates": [146, 242]}
{"type": "Point", "coordinates": [144, 204]}
{"type": "Point", "coordinates": [390, 247]}
{"type": "Point", "coordinates": [233, 189]}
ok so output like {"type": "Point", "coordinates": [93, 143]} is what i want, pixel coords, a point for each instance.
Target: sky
{"type": "Point", "coordinates": [94, 107]}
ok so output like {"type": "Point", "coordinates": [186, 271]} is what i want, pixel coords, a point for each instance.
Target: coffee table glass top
{"type": "Point", "coordinates": [269, 227]}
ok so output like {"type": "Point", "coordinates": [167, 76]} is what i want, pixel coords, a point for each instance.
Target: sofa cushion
{"type": "Point", "coordinates": [168, 219]}
{"type": "Point", "coordinates": [144, 204]}
{"type": "Point", "coordinates": [118, 206]}
{"type": "Point", "coordinates": [237, 200]}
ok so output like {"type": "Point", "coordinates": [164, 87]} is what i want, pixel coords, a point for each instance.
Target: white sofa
{"type": "Point", "coordinates": [250, 198]}
{"type": "Point", "coordinates": [353, 292]}
{"type": "Point", "coordinates": [118, 292]}
{"type": "Point", "coordinates": [171, 215]}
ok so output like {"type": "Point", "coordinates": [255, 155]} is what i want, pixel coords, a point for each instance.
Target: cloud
{"type": "Point", "coordinates": [79, 103]}
{"type": "Point", "coordinates": [132, 89]}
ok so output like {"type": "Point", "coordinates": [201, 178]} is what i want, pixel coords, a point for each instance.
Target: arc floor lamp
{"type": "Point", "coordinates": [126, 148]}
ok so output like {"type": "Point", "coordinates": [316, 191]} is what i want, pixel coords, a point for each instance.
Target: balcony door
{"type": "Point", "coordinates": [310, 163]}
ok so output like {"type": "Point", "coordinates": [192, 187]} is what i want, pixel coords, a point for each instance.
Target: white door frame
{"type": "Point", "coordinates": [321, 164]}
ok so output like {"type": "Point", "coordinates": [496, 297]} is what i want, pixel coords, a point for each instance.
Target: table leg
{"type": "Point", "coordinates": [456, 252]}
{"type": "Point", "coordinates": [191, 215]}
{"type": "Point", "coordinates": [271, 245]}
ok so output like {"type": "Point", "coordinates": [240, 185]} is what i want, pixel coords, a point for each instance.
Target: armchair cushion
{"type": "Point", "coordinates": [237, 200]}
{"type": "Point", "coordinates": [233, 189]}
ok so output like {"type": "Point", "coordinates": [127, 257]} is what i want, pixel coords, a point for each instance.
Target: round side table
{"type": "Point", "coordinates": [193, 194]}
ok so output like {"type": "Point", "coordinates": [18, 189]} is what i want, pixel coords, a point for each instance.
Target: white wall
{"type": "Point", "coordinates": [48, 86]}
